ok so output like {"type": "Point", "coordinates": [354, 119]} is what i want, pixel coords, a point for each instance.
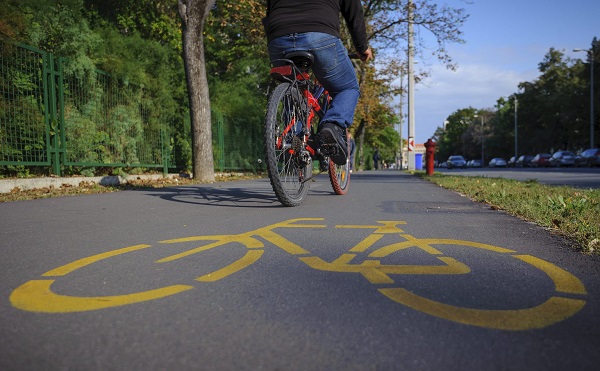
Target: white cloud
{"type": "Point", "coordinates": [505, 42]}
{"type": "Point", "coordinates": [472, 85]}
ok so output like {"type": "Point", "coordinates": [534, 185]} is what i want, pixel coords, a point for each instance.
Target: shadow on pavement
{"type": "Point", "coordinates": [258, 193]}
{"type": "Point", "coordinates": [221, 195]}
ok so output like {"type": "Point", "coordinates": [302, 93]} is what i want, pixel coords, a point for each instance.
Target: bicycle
{"type": "Point", "coordinates": [292, 143]}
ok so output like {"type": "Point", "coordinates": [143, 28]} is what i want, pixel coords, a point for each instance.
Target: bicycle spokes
{"type": "Point", "coordinates": [288, 163]}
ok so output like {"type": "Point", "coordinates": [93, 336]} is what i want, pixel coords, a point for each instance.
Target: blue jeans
{"type": "Point", "coordinates": [332, 68]}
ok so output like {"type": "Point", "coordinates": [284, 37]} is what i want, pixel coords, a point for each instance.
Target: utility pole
{"type": "Point", "coordinates": [400, 119]}
{"type": "Point", "coordinates": [411, 89]}
{"type": "Point", "coordinates": [516, 132]}
{"type": "Point", "coordinates": [400, 132]}
{"type": "Point", "coordinates": [482, 142]}
{"type": "Point", "coordinates": [592, 98]}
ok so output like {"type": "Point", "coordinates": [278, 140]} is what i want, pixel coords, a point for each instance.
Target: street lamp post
{"type": "Point", "coordinates": [591, 51]}
{"type": "Point", "coordinates": [482, 140]}
{"type": "Point", "coordinates": [516, 131]}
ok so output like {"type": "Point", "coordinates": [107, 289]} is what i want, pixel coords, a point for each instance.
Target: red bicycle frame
{"type": "Point", "coordinates": [312, 101]}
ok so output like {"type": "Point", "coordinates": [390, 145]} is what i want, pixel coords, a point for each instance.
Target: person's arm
{"type": "Point", "coordinates": [352, 12]}
{"type": "Point", "coordinates": [265, 19]}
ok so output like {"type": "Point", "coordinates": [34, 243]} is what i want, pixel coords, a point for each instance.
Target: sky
{"type": "Point", "coordinates": [505, 40]}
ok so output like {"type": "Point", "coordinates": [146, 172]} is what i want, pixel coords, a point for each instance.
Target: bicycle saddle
{"type": "Point", "coordinates": [302, 59]}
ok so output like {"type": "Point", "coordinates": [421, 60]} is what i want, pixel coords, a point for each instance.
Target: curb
{"type": "Point", "coordinates": [8, 185]}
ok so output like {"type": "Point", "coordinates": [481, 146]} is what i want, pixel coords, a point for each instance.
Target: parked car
{"type": "Point", "coordinates": [541, 160]}
{"type": "Point", "coordinates": [524, 161]}
{"type": "Point", "coordinates": [512, 162]}
{"type": "Point", "coordinates": [474, 163]}
{"type": "Point", "coordinates": [562, 158]}
{"type": "Point", "coordinates": [497, 162]}
{"type": "Point", "coordinates": [456, 161]}
{"type": "Point", "coordinates": [589, 157]}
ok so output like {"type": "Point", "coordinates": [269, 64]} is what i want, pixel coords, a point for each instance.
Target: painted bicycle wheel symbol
{"type": "Point", "coordinates": [37, 295]}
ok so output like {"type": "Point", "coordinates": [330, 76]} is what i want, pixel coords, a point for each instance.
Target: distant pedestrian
{"type": "Point", "coordinates": [352, 145]}
{"type": "Point", "coordinates": [376, 159]}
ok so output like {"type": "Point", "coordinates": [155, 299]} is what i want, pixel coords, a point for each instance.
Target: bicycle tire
{"type": "Point", "coordinates": [288, 179]}
{"type": "Point", "coordinates": [339, 176]}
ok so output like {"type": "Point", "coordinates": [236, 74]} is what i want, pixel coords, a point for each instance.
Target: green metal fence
{"type": "Point", "coordinates": [108, 123]}
{"type": "Point", "coordinates": [237, 143]}
{"type": "Point", "coordinates": [24, 123]}
{"type": "Point", "coordinates": [53, 118]}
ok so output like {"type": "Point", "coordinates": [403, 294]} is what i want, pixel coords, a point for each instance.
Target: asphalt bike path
{"type": "Point", "coordinates": [398, 274]}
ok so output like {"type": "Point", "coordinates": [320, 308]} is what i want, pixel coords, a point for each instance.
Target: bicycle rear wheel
{"type": "Point", "coordinates": [339, 176]}
{"type": "Point", "coordinates": [288, 170]}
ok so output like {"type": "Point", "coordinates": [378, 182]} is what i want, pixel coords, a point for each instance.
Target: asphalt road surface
{"type": "Point", "coordinates": [398, 274]}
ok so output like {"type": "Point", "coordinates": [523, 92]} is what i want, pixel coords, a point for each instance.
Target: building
{"type": "Point", "coordinates": [419, 149]}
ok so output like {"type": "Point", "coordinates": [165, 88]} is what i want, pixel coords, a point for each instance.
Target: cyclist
{"type": "Point", "coordinates": [313, 25]}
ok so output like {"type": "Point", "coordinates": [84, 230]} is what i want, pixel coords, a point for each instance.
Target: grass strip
{"type": "Point", "coordinates": [571, 212]}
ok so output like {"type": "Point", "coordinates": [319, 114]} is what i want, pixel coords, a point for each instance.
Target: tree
{"type": "Point", "coordinates": [387, 22]}
{"type": "Point", "coordinates": [153, 19]}
{"type": "Point", "coordinates": [553, 114]}
{"type": "Point", "coordinates": [193, 14]}
{"type": "Point", "coordinates": [551, 108]}
{"type": "Point", "coordinates": [453, 140]}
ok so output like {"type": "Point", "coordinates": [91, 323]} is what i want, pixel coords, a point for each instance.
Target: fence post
{"type": "Point", "coordinates": [164, 148]}
{"type": "Point", "coordinates": [61, 116]}
{"type": "Point", "coordinates": [47, 105]}
{"type": "Point", "coordinates": [52, 105]}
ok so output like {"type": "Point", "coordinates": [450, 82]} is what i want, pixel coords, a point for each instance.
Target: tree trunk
{"type": "Point", "coordinates": [193, 14]}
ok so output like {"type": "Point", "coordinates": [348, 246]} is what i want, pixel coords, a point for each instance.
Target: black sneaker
{"type": "Point", "coordinates": [334, 140]}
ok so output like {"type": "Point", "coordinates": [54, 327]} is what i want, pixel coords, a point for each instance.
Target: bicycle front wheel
{"type": "Point", "coordinates": [288, 171]}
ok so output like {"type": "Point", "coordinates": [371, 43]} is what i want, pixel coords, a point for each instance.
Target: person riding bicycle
{"type": "Point", "coordinates": [314, 26]}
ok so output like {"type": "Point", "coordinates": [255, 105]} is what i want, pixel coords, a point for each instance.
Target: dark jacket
{"type": "Point", "coordinates": [286, 17]}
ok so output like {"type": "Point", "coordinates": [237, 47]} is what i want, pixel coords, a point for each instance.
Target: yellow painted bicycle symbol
{"type": "Point", "coordinates": [37, 295]}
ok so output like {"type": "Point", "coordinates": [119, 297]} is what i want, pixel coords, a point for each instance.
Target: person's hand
{"type": "Point", "coordinates": [366, 55]}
